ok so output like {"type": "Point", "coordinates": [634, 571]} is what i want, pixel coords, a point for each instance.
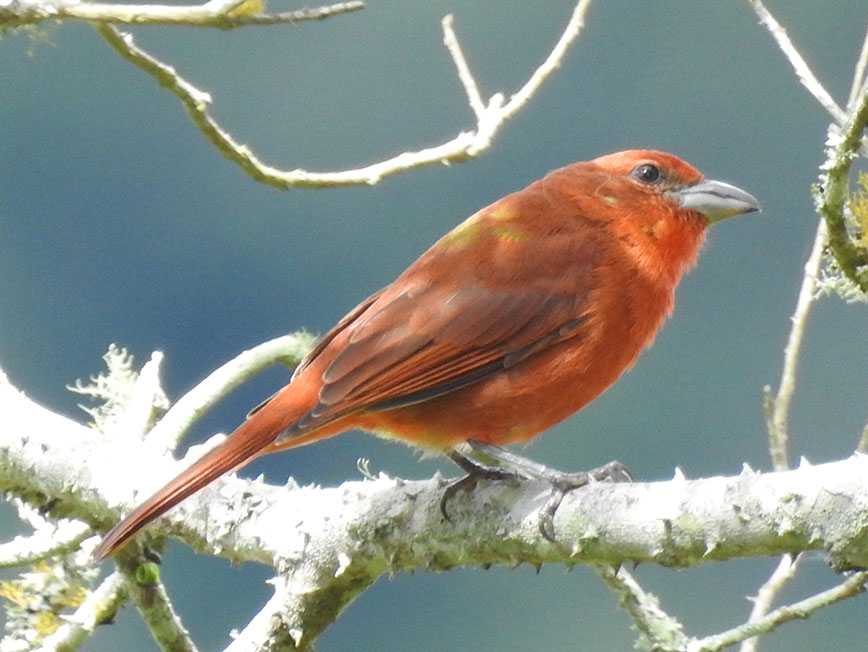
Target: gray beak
{"type": "Point", "coordinates": [716, 200]}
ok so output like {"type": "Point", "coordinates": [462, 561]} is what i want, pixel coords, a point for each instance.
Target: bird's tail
{"type": "Point", "coordinates": [246, 443]}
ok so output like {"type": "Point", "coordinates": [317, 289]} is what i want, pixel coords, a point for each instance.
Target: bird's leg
{"type": "Point", "coordinates": [475, 470]}
{"type": "Point", "coordinates": [512, 465]}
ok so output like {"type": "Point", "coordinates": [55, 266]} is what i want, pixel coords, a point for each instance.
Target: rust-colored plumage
{"type": "Point", "coordinates": [517, 318]}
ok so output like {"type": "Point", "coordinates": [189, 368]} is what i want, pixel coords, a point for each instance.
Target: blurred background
{"type": "Point", "coordinates": [120, 223]}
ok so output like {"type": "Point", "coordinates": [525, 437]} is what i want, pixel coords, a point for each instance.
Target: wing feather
{"type": "Point", "coordinates": [417, 347]}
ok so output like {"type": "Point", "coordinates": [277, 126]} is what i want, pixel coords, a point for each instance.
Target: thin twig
{"type": "Point", "coordinates": [49, 538]}
{"type": "Point", "coordinates": [862, 446]}
{"type": "Point", "coordinates": [803, 71]}
{"type": "Point", "coordinates": [778, 407]}
{"type": "Point", "coordinates": [766, 595]}
{"type": "Point", "coordinates": [489, 118]}
{"type": "Point", "coordinates": [464, 74]}
{"type": "Point", "coordinates": [662, 631]}
{"type": "Point", "coordinates": [852, 586]}
{"type": "Point", "coordinates": [289, 350]}
{"type": "Point", "coordinates": [859, 74]}
{"type": "Point", "coordinates": [552, 62]}
{"type": "Point", "coordinates": [27, 550]}
{"type": "Point", "coordinates": [216, 13]}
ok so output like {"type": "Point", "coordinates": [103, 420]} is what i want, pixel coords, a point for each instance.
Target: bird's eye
{"type": "Point", "coordinates": [646, 173]}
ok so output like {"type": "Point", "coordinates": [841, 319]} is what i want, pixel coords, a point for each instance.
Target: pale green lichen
{"type": "Point", "coordinates": [37, 601]}
{"type": "Point", "coordinates": [831, 279]}
{"type": "Point", "coordinates": [859, 209]}
{"type": "Point", "coordinates": [112, 391]}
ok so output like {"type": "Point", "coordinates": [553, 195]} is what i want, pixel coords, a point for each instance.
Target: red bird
{"type": "Point", "coordinates": [514, 320]}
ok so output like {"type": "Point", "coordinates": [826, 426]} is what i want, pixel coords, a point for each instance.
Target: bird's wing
{"type": "Point", "coordinates": [430, 341]}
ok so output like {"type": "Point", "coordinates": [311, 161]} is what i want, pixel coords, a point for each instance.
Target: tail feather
{"type": "Point", "coordinates": [247, 442]}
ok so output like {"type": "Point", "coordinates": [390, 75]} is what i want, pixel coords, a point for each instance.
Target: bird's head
{"type": "Point", "coordinates": [652, 173]}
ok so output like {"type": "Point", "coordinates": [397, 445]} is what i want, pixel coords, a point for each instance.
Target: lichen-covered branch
{"type": "Point", "coordinates": [830, 197]}
{"type": "Point", "coordinates": [339, 540]}
{"type": "Point", "coordinates": [288, 350]}
{"type": "Point", "coordinates": [659, 630]}
{"type": "Point", "coordinates": [99, 607]}
{"type": "Point", "coordinates": [142, 582]}
{"type": "Point", "coordinates": [222, 14]}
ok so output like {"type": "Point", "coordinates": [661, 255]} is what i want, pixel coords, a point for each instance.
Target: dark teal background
{"type": "Point", "coordinates": [120, 223]}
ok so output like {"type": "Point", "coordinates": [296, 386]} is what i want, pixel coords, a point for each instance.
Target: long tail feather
{"type": "Point", "coordinates": [240, 447]}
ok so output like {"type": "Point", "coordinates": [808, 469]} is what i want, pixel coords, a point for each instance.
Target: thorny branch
{"type": "Point", "coordinates": [340, 540]}
{"type": "Point", "coordinates": [658, 629]}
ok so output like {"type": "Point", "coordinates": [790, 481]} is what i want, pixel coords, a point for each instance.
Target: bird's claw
{"type": "Point", "coordinates": [562, 483]}
{"type": "Point", "coordinates": [469, 482]}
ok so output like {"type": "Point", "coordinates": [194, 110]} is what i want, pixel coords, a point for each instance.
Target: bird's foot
{"type": "Point", "coordinates": [511, 466]}
{"type": "Point", "coordinates": [475, 471]}
{"type": "Point", "coordinates": [562, 483]}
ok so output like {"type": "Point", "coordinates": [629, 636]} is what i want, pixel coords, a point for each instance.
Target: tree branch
{"type": "Point", "coordinates": [226, 14]}
{"type": "Point", "coordinates": [142, 582]}
{"type": "Point", "coordinates": [660, 630]}
{"type": "Point", "coordinates": [844, 142]}
{"type": "Point", "coordinates": [860, 74]}
{"type": "Point", "coordinates": [329, 544]}
{"type": "Point", "coordinates": [216, 13]}
{"type": "Point", "coordinates": [66, 536]}
{"type": "Point", "coordinates": [765, 597]}
{"type": "Point", "coordinates": [777, 408]}
{"type": "Point", "coordinates": [99, 607]}
{"type": "Point", "coordinates": [800, 66]}
{"type": "Point", "coordinates": [852, 586]}
{"type": "Point", "coordinates": [842, 148]}
{"type": "Point", "coordinates": [489, 117]}
{"type": "Point", "coordinates": [848, 256]}
{"type": "Point", "coordinates": [288, 350]}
